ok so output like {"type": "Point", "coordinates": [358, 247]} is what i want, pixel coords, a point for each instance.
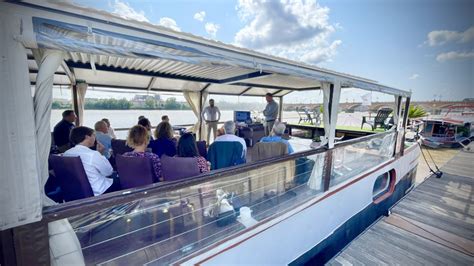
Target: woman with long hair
{"type": "Point", "coordinates": [164, 143]}
{"type": "Point", "coordinates": [187, 148]}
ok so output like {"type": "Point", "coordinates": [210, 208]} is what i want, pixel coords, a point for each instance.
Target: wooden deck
{"type": "Point", "coordinates": [432, 225]}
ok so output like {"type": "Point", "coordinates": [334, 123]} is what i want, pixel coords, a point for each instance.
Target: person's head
{"type": "Point", "coordinates": [165, 118]}
{"type": "Point", "coordinates": [279, 129]}
{"type": "Point", "coordinates": [82, 135]}
{"type": "Point", "coordinates": [229, 127]}
{"type": "Point", "coordinates": [69, 116]}
{"type": "Point", "coordinates": [141, 117]}
{"type": "Point", "coordinates": [211, 102]}
{"type": "Point", "coordinates": [145, 123]}
{"type": "Point", "coordinates": [106, 121]}
{"type": "Point", "coordinates": [220, 131]}
{"type": "Point", "coordinates": [101, 126]}
{"type": "Point", "coordinates": [187, 146]}
{"type": "Point", "coordinates": [137, 137]}
{"type": "Point", "coordinates": [164, 131]}
{"type": "Point", "coordinates": [269, 97]}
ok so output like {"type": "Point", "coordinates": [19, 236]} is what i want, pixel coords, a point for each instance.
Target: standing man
{"type": "Point", "coordinates": [270, 113]}
{"type": "Point", "coordinates": [63, 129]}
{"type": "Point", "coordinates": [211, 115]}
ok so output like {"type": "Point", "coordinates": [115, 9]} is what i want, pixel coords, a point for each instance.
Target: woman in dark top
{"type": "Point", "coordinates": [146, 123]}
{"type": "Point", "coordinates": [164, 143]}
{"type": "Point", "coordinates": [187, 148]}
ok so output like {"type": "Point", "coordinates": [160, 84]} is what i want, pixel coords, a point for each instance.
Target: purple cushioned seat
{"type": "Point", "coordinates": [119, 147]}
{"type": "Point", "coordinates": [134, 171]}
{"type": "Point", "coordinates": [175, 168]}
{"type": "Point", "coordinates": [71, 177]}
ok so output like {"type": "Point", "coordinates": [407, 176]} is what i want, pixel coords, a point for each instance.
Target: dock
{"type": "Point", "coordinates": [432, 225]}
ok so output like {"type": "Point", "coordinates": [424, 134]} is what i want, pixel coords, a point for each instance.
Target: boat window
{"type": "Point", "coordinates": [440, 129]}
{"type": "Point", "coordinates": [381, 185]}
{"type": "Point", "coordinates": [428, 127]}
{"type": "Point", "coordinates": [351, 160]}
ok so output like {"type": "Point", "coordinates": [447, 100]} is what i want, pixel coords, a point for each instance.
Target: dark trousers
{"type": "Point", "coordinates": [115, 185]}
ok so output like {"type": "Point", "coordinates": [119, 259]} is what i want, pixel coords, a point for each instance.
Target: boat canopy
{"type": "Point", "coordinates": [106, 50]}
{"type": "Point", "coordinates": [51, 43]}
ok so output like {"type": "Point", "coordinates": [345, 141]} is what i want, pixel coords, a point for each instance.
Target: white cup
{"type": "Point", "coordinates": [245, 213]}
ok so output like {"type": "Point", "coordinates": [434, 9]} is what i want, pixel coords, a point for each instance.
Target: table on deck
{"type": "Point", "coordinates": [434, 224]}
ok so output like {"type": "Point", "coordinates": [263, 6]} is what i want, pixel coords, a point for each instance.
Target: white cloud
{"type": "Point", "coordinates": [212, 28]}
{"type": "Point", "coordinates": [414, 76]}
{"type": "Point", "coordinates": [169, 23]}
{"type": "Point", "coordinates": [124, 10]}
{"type": "Point", "coordinates": [440, 37]}
{"type": "Point", "coordinates": [443, 57]}
{"type": "Point", "coordinates": [200, 16]}
{"type": "Point", "coordinates": [294, 29]}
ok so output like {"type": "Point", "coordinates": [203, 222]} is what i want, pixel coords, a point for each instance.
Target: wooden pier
{"type": "Point", "coordinates": [432, 225]}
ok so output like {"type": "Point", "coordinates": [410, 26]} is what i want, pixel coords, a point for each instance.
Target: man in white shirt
{"type": "Point", "coordinates": [96, 166]}
{"type": "Point", "coordinates": [229, 129]}
{"type": "Point", "coordinates": [211, 115]}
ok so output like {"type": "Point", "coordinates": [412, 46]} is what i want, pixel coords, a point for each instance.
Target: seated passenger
{"type": "Point", "coordinates": [165, 118]}
{"type": "Point", "coordinates": [138, 140]}
{"type": "Point", "coordinates": [110, 129]}
{"type": "Point", "coordinates": [187, 148]}
{"type": "Point", "coordinates": [62, 130]}
{"type": "Point", "coordinates": [101, 134]}
{"type": "Point", "coordinates": [146, 123]}
{"type": "Point", "coordinates": [164, 143]}
{"type": "Point", "coordinates": [96, 166]}
{"type": "Point", "coordinates": [276, 136]}
{"type": "Point", "coordinates": [229, 135]}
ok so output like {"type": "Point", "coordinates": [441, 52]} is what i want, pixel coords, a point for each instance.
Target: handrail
{"type": "Point", "coordinates": [182, 125]}
{"type": "Point", "coordinates": [364, 138]}
{"type": "Point", "coordinates": [96, 203]}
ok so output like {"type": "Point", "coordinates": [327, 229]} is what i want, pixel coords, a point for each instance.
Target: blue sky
{"type": "Point", "coordinates": [426, 46]}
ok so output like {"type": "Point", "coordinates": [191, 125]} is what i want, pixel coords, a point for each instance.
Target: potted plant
{"type": "Point", "coordinates": [316, 143]}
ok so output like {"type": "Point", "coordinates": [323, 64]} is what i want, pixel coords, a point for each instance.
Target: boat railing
{"type": "Point", "coordinates": [165, 222]}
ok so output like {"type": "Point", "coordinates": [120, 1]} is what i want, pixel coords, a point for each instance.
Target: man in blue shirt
{"type": "Point", "coordinates": [276, 136]}
{"type": "Point", "coordinates": [101, 135]}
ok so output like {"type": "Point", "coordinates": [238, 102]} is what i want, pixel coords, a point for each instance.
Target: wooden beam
{"type": "Point", "coordinates": [75, 104]}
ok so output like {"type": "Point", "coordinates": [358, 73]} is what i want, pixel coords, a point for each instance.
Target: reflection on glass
{"type": "Point", "coordinates": [166, 227]}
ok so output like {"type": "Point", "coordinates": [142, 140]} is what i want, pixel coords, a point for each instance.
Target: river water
{"type": "Point", "coordinates": [128, 118]}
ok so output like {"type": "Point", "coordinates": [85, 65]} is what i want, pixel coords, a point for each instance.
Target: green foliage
{"type": "Point", "coordinates": [150, 103]}
{"type": "Point", "coordinates": [416, 112]}
{"type": "Point", "coordinates": [172, 104]}
{"type": "Point", "coordinates": [61, 105]}
{"type": "Point", "coordinates": [108, 104]}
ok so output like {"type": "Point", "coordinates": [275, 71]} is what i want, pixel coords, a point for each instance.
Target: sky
{"type": "Point", "coordinates": [426, 46]}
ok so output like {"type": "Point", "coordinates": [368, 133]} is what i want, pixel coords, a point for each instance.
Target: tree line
{"type": "Point", "coordinates": [124, 104]}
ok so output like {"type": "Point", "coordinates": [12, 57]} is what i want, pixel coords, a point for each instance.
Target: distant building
{"type": "Point", "coordinates": [144, 101]}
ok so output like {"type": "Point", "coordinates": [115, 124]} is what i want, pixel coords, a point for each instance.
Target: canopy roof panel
{"type": "Point", "coordinates": [127, 50]}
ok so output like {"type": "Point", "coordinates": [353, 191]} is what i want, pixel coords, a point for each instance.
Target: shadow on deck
{"type": "Point", "coordinates": [433, 224]}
